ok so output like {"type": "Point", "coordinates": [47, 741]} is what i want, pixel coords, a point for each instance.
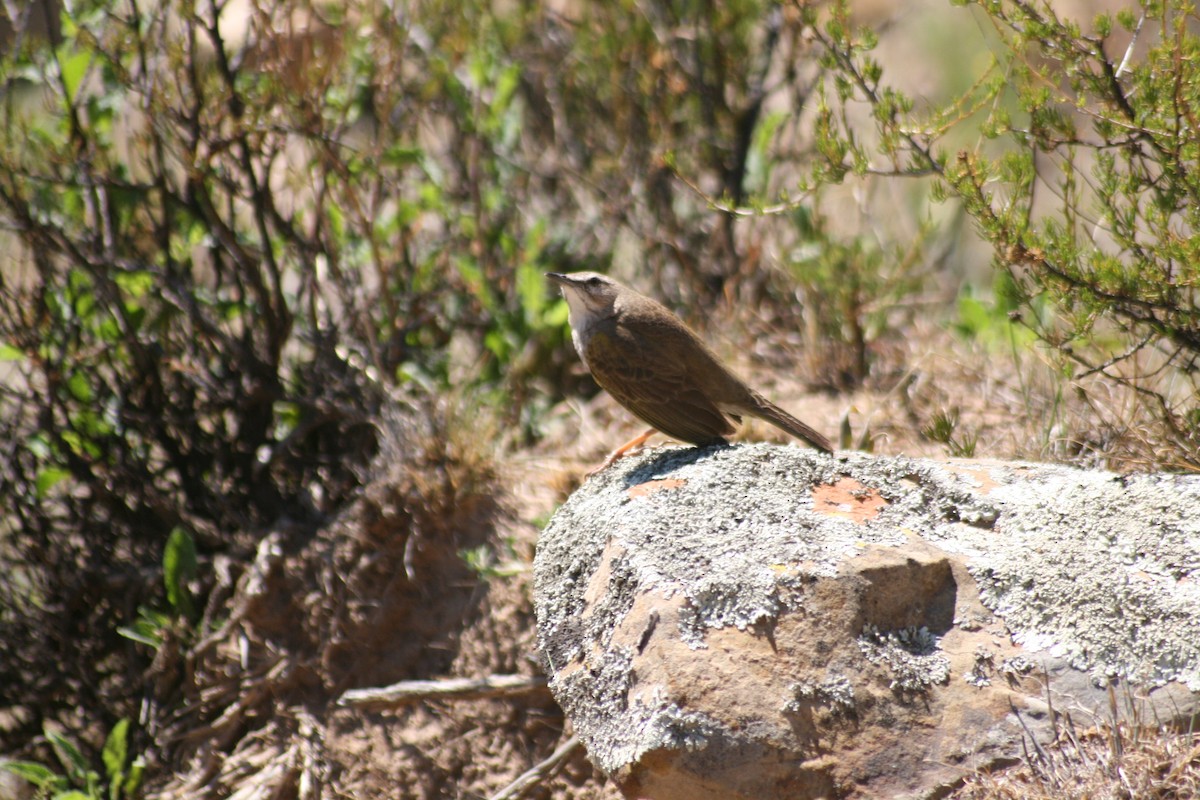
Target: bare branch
{"type": "Point", "coordinates": [399, 694]}
{"type": "Point", "coordinates": [540, 772]}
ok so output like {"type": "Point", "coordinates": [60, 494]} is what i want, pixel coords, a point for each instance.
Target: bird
{"type": "Point", "coordinates": [655, 366]}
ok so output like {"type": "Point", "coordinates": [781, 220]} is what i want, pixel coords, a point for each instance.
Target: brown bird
{"type": "Point", "coordinates": [655, 366]}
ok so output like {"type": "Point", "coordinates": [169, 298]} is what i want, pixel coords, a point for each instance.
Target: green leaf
{"type": "Point", "coordinates": [758, 159]}
{"type": "Point", "coordinates": [116, 748]}
{"type": "Point", "coordinates": [557, 314]}
{"type": "Point", "coordinates": [76, 765]}
{"type": "Point", "coordinates": [69, 29]}
{"type": "Point", "coordinates": [506, 85]}
{"type": "Point", "coordinates": [148, 627]}
{"type": "Point", "coordinates": [179, 567]}
{"type": "Point", "coordinates": [402, 155]}
{"type": "Point", "coordinates": [48, 478]}
{"type": "Point", "coordinates": [473, 277]}
{"type": "Point", "coordinates": [10, 353]}
{"type": "Point", "coordinates": [74, 67]}
{"type": "Point", "coordinates": [109, 330]}
{"type": "Point", "coordinates": [287, 418]}
{"type": "Point", "coordinates": [137, 633]}
{"type": "Point", "coordinates": [81, 445]}
{"type": "Point", "coordinates": [133, 780]}
{"type": "Point", "coordinates": [532, 289]}
{"type": "Point", "coordinates": [498, 344]}
{"type": "Point", "coordinates": [39, 775]}
{"type": "Point", "coordinates": [79, 388]}
{"type": "Point", "coordinates": [135, 283]}
{"type": "Point", "coordinates": [973, 317]}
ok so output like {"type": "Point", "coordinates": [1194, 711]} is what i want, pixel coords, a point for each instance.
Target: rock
{"type": "Point", "coordinates": [763, 622]}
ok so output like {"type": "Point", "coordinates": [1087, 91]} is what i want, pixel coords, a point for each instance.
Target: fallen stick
{"type": "Point", "coordinates": [539, 772]}
{"type": "Point", "coordinates": [399, 694]}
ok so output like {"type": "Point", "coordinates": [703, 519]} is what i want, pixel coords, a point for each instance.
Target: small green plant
{"type": "Point", "coordinates": [855, 289]}
{"type": "Point", "coordinates": [122, 776]}
{"type": "Point", "coordinates": [995, 322]}
{"type": "Point", "coordinates": [485, 563]}
{"type": "Point", "coordinates": [179, 567]}
{"type": "Point", "coordinates": [943, 428]}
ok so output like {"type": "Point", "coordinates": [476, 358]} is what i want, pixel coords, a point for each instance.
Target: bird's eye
{"type": "Point", "coordinates": [593, 281]}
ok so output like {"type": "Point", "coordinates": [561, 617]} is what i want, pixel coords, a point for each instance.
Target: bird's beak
{"type": "Point", "coordinates": [559, 278]}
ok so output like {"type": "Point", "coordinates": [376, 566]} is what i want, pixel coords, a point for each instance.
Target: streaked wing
{"type": "Point", "coordinates": [654, 388]}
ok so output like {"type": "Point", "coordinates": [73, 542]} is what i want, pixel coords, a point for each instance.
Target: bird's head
{"type": "Point", "coordinates": [590, 296]}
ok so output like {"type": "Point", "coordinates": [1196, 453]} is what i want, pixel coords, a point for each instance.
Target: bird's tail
{"type": "Point", "coordinates": [785, 421]}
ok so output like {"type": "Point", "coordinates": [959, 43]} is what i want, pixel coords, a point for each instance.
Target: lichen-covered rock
{"type": "Point", "coordinates": [766, 622]}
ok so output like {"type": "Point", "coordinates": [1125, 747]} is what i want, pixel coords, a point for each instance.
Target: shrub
{"type": "Point", "coordinates": [230, 241]}
{"type": "Point", "coordinates": [1084, 181]}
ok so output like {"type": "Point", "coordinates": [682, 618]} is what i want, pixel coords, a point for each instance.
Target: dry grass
{"type": "Point", "coordinates": [1102, 763]}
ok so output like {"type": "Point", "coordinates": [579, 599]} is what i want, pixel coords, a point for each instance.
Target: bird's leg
{"type": "Point", "coordinates": [624, 450]}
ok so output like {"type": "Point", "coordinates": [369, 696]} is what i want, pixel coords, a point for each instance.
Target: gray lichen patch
{"type": "Point", "coordinates": [912, 655]}
{"type": "Point", "coordinates": [619, 728]}
{"type": "Point", "coordinates": [984, 667]}
{"type": "Point", "coordinates": [1099, 569]}
{"type": "Point", "coordinates": [718, 603]}
{"type": "Point", "coordinates": [835, 692]}
{"type": "Point", "coordinates": [724, 557]}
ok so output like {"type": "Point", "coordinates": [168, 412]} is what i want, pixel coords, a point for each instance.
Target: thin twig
{"type": "Point", "coordinates": [1129, 50]}
{"type": "Point", "coordinates": [399, 694]}
{"type": "Point", "coordinates": [1042, 756]}
{"type": "Point", "coordinates": [539, 772]}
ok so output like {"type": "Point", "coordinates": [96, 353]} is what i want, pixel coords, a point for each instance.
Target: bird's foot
{"type": "Point", "coordinates": [629, 448]}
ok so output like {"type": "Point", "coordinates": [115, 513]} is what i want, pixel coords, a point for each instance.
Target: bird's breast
{"type": "Point", "coordinates": [580, 340]}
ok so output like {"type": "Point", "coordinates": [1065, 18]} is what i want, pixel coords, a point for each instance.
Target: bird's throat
{"type": "Point", "coordinates": [580, 342]}
{"type": "Point", "coordinates": [584, 322]}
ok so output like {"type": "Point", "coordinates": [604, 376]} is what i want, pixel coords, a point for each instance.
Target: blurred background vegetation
{"type": "Point", "coordinates": [237, 233]}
